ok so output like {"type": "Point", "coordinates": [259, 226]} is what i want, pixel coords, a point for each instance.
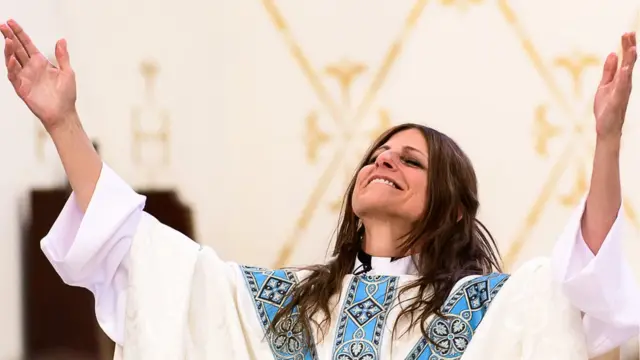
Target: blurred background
{"type": "Point", "coordinates": [243, 120]}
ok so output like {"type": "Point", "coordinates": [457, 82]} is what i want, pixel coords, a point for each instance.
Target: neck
{"type": "Point", "coordinates": [382, 238]}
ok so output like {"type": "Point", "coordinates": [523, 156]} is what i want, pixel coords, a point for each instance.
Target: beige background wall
{"type": "Point", "coordinates": [268, 106]}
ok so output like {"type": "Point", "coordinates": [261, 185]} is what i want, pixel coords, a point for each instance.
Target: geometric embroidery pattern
{"type": "Point", "coordinates": [463, 311]}
{"type": "Point", "coordinates": [274, 290]}
{"type": "Point", "coordinates": [269, 290]}
{"type": "Point", "coordinates": [364, 311]}
{"type": "Point", "coordinates": [363, 317]}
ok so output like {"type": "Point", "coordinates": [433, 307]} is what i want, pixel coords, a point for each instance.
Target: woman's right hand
{"type": "Point", "coordinates": [48, 91]}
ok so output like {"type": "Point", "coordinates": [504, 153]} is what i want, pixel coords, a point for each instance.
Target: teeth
{"type": "Point", "coordinates": [383, 181]}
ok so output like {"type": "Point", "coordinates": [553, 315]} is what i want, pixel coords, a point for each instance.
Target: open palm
{"type": "Point", "coordinates": [49, 91]}
{"type": "Point", "coordinates": [612, 98]}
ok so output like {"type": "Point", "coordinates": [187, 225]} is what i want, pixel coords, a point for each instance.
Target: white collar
{"type": "Point", "coordinates": [396, 267]}
{"type": "Point", "coordinates": [388, 266]}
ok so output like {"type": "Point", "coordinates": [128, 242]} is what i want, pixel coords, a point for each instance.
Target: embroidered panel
{"type": "Point", "coordinates": [365, 307]}
{"type": "Point", "coordinates": [463, 312]}
{"type": "Point", "coordinates": [270, 291]}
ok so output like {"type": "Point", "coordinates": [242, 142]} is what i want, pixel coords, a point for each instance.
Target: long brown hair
{"type": "Point", "coordinates": [448, 241]}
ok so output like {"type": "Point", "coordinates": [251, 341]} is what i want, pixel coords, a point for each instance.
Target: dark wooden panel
{"type": "Point", "coordinates": [57, 317]}
{"type": "Point", "coordinates": [59, 320]}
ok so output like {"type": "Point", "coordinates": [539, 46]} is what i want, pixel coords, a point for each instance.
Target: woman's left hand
{"type": "Point", "coordinates": [612, 97]}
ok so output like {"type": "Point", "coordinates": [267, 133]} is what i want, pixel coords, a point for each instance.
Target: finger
{"type": "Point", "coordinates": [625, 42]}
{"type": "Point", "coordinates": [13, 69]}
{"type": "Point", "coordinates": [628, 60]}
{"type": "Point", "coordinates": [8, 51]}
{"type": "Point", "coordinates": [24, 39]}
{"type": "Point", "coordinates": [6, 32]}
{"type": "Point", "coordinates": [62, 55]}
{"type": "Point", "coordinates": [610, 69]}
{"type": "Point", "coordinates": [20, 53]}
{"type": "Point", "coordinates": [17, 47]}
{"type": "Point", "coordinates": [629, 54]}
{"type": "Point", "coordinates": [624, 79]}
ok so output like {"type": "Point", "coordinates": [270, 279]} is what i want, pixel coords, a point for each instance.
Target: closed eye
{"type": "Point", "coordinates": [372, 159]}
{"type": "Point", "coordinates": [412, 162]}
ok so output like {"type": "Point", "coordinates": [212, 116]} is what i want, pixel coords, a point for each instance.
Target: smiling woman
{"type": "Point", "coordinates": [413, 198]}
{"type": "Point", "coordinates": [413, 274]}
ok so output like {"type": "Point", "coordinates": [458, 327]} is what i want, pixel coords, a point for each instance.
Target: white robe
{"type": "Point", "coordinates": [92, 250]}
{"type": "Point", "coordinates": [203, 308]}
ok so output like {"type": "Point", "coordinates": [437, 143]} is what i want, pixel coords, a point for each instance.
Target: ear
{"type": "Point", "coordinates": [459, 215]}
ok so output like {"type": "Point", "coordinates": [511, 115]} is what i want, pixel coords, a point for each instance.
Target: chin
{"type": "Point", "coordinates": [377, 207]}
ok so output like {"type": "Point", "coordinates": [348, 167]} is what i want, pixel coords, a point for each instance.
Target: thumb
{"type": "Point", "coordinates": [62, 55]}
{"type": "Point", "coordinates": [610, 69]}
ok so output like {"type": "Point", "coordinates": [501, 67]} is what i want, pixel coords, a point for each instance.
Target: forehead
{"type": "Point", "coordinates": [410, 137]}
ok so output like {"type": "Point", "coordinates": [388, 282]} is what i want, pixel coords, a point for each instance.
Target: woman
{"type": "Point", "coordinates": [413, 272]}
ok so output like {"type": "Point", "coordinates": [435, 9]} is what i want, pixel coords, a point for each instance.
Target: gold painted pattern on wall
{"type": "Point", "coordinates": [576, 64]}
{"type": "Point", "coordinates": [463, 5]}
{"type": "Point", "coordinates": [543, 130]}
{"type": "Point", "coordinates": [345, 72]}
{"type": "Point", "coordinates": [562, 121]}
{"type": "Point", "coordinates": [149, 109]}
{"type": "Point", "coordinates": [314, 137]}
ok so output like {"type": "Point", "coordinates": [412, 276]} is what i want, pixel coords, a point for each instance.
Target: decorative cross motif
{"type": "Point", "coordinates": [275, 290]}
{"type": "Point", "coordinates": [477, 294]}
{"type": "Point", "coordinates": [347, 116]}
{"type": "Point", "coordinates": [364, 311]}
{"type": "Point", "coordinates": [580, 143]}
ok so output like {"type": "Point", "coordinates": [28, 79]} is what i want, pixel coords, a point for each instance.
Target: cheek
{"type": "Point", "coordinates": [418, 197]}
{"type": "Point", "coordinates": [362, 174]}
{"type": "Point", "coordinates": [356, 191]}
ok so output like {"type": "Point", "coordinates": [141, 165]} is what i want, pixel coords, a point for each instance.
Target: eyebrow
{"type": "Point", "coordinates": [408, 148]}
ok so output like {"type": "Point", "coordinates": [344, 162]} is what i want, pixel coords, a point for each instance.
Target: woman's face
{"type": "Point", "coordinates": [393, 184]}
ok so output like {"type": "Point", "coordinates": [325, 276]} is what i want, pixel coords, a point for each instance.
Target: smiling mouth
{"type": "Point", "coordinates": [386, 182]}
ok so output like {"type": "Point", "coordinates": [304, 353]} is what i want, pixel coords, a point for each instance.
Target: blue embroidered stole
{"type": "Point", "coordinates": [366, 303]}
{"type": "Point", "coordinates": [463, 311]}
{"type": "Point", "coordinates": [269, 291]}
{"type": "Point", "coordinates": [365, 307]}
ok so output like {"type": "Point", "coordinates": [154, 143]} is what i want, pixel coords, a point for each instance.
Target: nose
{"type": "Point", "coordinates": [387, 160]}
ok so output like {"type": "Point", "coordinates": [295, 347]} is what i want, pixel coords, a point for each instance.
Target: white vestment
{"type": "Point", "coordinates": [203, 308]}
{"type": "Point", "coordinates": [175, 295]}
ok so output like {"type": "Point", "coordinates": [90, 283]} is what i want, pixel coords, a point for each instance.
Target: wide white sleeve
{"type": "Point", "coordinates": [602, 286]}
{"type": "Point", "coordinates": [184, 302]}
{"type": "Point", "coordinates": [91, 250]}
